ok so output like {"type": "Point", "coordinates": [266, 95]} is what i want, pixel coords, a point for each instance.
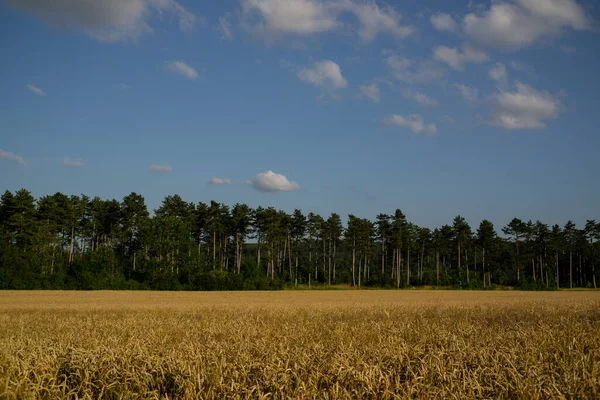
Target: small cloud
{"type": "Point", "coordinates": [414, 122]}
{"type": "Point", "coordinates": [498, 73]}
{"type": "Point", "coordinates": [123, 86]}
{"type": "Point", "coordinates": [420, 98]}
{"type": "Point", "coordinates": [568, 49]}
{"type": "Point", "coordinates": [519, 24]}
{"type": "Point", "coordinates": [456, 58]}
{"type": "Point", "coordinates": [270, 181]}
{"type": "Point", "coordinates": [181, 68]}
{"type": "Point", "coordinates": [73, 162]}
{"type": "Point", "coordinates": [324, 74]}
{"type": "Point", "coordinates": [468, 93]}
{"type": "Point", "coordinates": [444, 22]}
{"type": "Point", "coordinates": [525, 108]}
{"type": "Point", "coordinates": [219, 181]}
{"type": "Point", "coordinates": [413, 71]}
{"type": "Point", "coordinates": [371, 92]}
{"type": "Point", "coordinates": [108, 21]}
{"type": "Point", "coordinates": [36, 90]}
{"type": "Point", "coordinates": [160, 168]}
{"type": "Point", "coordinates": [225, 27]}
{"type": "Point", "coordinates": [5, 155]}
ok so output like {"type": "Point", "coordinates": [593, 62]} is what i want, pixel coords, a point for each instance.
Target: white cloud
{"type": "Point", "coordinates": [225, 27]}
{"type": "Point", "coordinates": [5, 155]}
{"type": "Point", "coordinates": [219, 181]}
{"type": "Point", "coordinates": [498, 73]}
{"type": "Point", "coordinates": [324, 74]}
{"type": "Point", "coordinates": [73, 162]}
{"type": "Point", "coordinates": [374, 20]}
{"type": "Point", "coordinates": [371, 91]}
{"type": "Point", "coordinates": [36, 90]}
{"type": "Point", "coordinates": [288, 16]}
{"type": "Point", "coordinates": [420, 98]}
{"type": "Point", "coordinates": [444, 22]}
{"type": "Point", "coordinates": [309, 17]}
{"type": "Point", "coordinates": [412, 71]}
{"type": "Point", "coordinates": [107, 20]}
{"type": "Point", "coordinates": [455, 58]}
{"type": "Point", "coordinates": [414, 122]}
{"type": "Point", "coordinates": [181, 68]}
{"type": "Point", "coordinates": [468, 93]}
{"type": "Point", "coordinates": [160, 168]}
{"type": "Point", "coordinates": [270, 181]}
{"type": "Point", "coordinates": [525, 108]}
{"type": "Point", "coordinates": [520, 23]}
{"type": "Point", "coordinates": [124, 86]}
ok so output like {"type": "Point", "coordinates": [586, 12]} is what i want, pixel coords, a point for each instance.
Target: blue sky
{"type": "Point", "coordinates": [488, 110]}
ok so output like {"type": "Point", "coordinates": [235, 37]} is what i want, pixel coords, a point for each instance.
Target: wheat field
{"type": "Point", "coordinates": [319, 344]}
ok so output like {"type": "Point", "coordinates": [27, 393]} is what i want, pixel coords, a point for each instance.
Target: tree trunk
{"type": "Point", "coordinates": [382, 255]}
{"type": "Point", "coordinates": [353, 259]}
{"type": "Point", "coordinates": [533, 269]}
{"type": "Point", "coordinates": [334, 252]}
{"type": "Point", "coordinates": [557, 276]}
{"type": "Point", "coordinates": [408, 265]}
{"type": "Point", "coordinates": [437, 268]}
{"type": "Point", "coordinates": [329, 266]}
{"type": "Point", "coordinates": [71, 245]}
{"type": "Point", "coordinates": [483, 265]}
{"type": "Point", "coordinates": [571, 269]}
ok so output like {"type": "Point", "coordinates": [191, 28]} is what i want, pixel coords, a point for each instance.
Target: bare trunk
{"type": "Point", "coordinates": [533, 269]}
{"type": "Point", "coordinates": [382, 255]}
{"type": "Point", "coordinates": [71, 245]}
{"type": "Point", "coordinates": [437, 267]}
{"type": "Point", "coordinates": [571, 269]}
{"type": "Point", "coordinates": [557, 276]}
{"type": "Point", "coordinates": [353, 259]}
{"type": "Point", "coordinates": [214, 248]}
{"type": "Point", "coordinates": [408, 265]}
{"type": "Point", "coordinates": [334, 251]}
{"type": "Point", "coordinates": [329, 266]}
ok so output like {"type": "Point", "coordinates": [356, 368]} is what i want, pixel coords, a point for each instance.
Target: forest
{"type": "Point", "coordinates": [77, 242]}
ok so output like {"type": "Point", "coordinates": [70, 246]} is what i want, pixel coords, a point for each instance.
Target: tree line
{"type": "Point", "coordinates": [78, 242]}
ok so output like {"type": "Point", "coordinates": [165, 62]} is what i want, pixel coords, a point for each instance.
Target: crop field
{"type": "Point", "coordinates": [304, 344]}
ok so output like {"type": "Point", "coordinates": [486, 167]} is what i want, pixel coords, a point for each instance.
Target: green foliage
{"type": "Point", "coordinates": [74, 242]}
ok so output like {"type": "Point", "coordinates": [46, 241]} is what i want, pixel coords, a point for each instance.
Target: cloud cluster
{"type": "Point", "coordinates": [73, 162]}
{"type": "Point", "coordinates": [5, 155]}
{"type": "Point", "coordinates": [36, 90]}
{"type": "Point", "coordinates": [498, 73]}
{"type": "Point", "coordinates": [413, 71]}
{"type": "Point", "coordinates": [456, 58]}
{"type": "Point", "coordinates": [160, 168]}
{"type": "Point", "coordinates": [414, 121]}
{"type": "Point", "coordinates": [525, 108]}
{"type": "Point", "coordinates": [181, 68]}
{"type": "Point", "coordinates": [520, 23]}
{"type": "Point", "coordinates": [444, 22]}
{"type": "Point", "coordinates": [107, 20]}
{"type": "Point", "coordinates": [275, 18]}
{"type": "Point", "coordinates": [420, 98]}
{"type": "Point", "coordinates": [470, 94]}
{"type": "Point", "coordinates": [324, 74]}
{"type": "Point", "coordinates": [270, 181]}
{"type": "Point", "coordinates": [371, 92]}
{"type": "Point", "coordinates": [219, 181]}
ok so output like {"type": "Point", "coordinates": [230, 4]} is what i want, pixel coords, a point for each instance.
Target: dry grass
{"type": "Point", "coordinates": [339, 344]}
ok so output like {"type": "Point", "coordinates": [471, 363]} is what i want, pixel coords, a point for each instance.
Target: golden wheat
{"type": "Point", "coordinates": [342, 344]}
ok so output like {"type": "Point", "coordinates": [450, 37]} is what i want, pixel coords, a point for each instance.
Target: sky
{"type": "Point", "coordinates": [484, 109]}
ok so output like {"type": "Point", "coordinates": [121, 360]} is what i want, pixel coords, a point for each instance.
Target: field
{"type": "Point", "coordinates": [304, 344]}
